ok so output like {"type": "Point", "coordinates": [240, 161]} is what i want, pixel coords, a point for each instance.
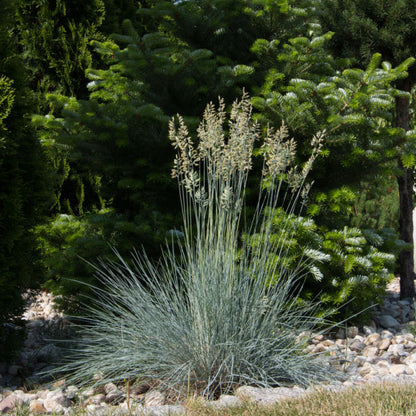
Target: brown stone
{"type": "Point", "coordinates": [59, 383]}
{"type": "Point", "coordinates": [384, 344]}
{"type": "Point", "coordinates": [372, 339]}
{"type": "Point", "coordinates": [364, 370]}
{"type": "Point", "coordinates": [319, 348]}
{"type": "Point", "coordinates": [317, 339]}
{"type": "Point", "coordinates": [36, 407]}
{"type": "Point", "coordinates": [369, 351]}
{"type": "Point", "coordinates": [9, 403]}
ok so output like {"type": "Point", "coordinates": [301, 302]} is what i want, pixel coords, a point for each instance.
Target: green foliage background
{"type": "Point", "coordinates": [92, 169]}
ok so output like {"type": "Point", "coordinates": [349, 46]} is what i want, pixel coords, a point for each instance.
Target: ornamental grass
{"type": "Point", "coordinates": [206, 318]}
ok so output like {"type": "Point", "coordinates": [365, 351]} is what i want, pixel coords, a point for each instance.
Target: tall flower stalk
{"type": "Point", "coordinates": [207, 317]}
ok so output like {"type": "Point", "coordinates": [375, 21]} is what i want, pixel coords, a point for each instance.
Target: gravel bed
{"type": "Point", "coordinates": [385, 350]}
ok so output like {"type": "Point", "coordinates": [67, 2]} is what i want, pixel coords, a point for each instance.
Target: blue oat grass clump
{"type": "Point", "coordinates": [206, 319]}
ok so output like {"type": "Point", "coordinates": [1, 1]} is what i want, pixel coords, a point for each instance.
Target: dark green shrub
{"type": "Point", "coordinates": [69, 244]}
{"type": "Point", "coordinates": [23, 183]}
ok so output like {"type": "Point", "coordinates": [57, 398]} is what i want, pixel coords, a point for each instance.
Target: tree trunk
{"type": "Point", "coordinates": [405, 181]}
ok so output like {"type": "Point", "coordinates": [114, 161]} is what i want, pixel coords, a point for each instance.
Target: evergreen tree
{"type": "Point", "coordinates": [23, 181]}
{"type": "Point", "coordinates": [387, 27]}
{"type": "Point", "coordinates": [54, 38]}
{"type": "Point", "coordinates": [120, 131]}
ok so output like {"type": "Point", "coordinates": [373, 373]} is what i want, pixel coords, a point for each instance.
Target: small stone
{"type": "Point", "coordinates": [318, 338]}
{"type": "Point", "coordinates": [71, 392]}
{"type": "Point", "coordinates": [364, 370]}
{"type": "Point", "coordinates": [352, 332]}
{"type": "Point", "coordinates": [42, 394]}
{"type": "Point", "coordinates": [88, 393]}
{"type": "Point", "coordinates": [9, 403]}
{"type": "Point", "coordinates": [340, 334]}
{"type": "Point", "coordinates": [318, 348]}
{"type": "Point", "coordinates": [36, 407]}
{"type": "Point", "coordinates": [372, 338]}
{"type": "Point", "coordinates": [141, 388]}
{"type": "Point", "coordinates": [405, 302]}
{"type": "Point", "coordinates": [114, 397]}
{"type": "Point", "coordinates": [59, 398]}
{"type": "Point", "coordinates": [396, 349]}
{"type": "Point", "coordinates": [383, 363]}
{"type": "Point", "coordinates": [357, 345]}
{"type": "Point", "coordinates": [109, 387]}
{"type": "Point", "coordinates": [369, 351]}
{"type": "Point", "coordinates": [386, 334]}
{"type": "Point", "coordinates": [48, 353]}
{"type": "Point", "coordinates": [384, 344]}
{"type": "Point", "coordinates": [410, 345]}
{"type": "Point", "coordinates": [399, 369]}
{"type": "Point", "coordinates": [226, 401]}
{"type": "Point", "coordinates": [59, 383]}
{"type": "Point", "coordinates": [52, 406]}
{"type": "Point", "coordinates": [368, 330]}
{"type": "Point", "coordinates": [387, 321]}
{"type": "Point", "coordinates": [409, 337]}
{"type": "Point", "coordinates": [94, 409]}
{"type": "Point", "coordinates": [360, 361]}
{"type": "Point", "coordinates": [96, 399]}
{"type": "Point", "coordinates": [154, 398]}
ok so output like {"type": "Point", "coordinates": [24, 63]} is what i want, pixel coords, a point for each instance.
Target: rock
{"type": "Point", "coordinates": [328, 342]}
{"type": "Point", "coordinates": [226, 400]}
{"type": "Point", "coordinates": [368, 330]}
{"type": "Point", "coordinates": [96, 399]}
{"type": "Point", "coordinates": [71, 392]}
{"type": "Point", "coordinates": [318, 348]}
{"type": "Point", "coordinates": [36, 407]}
{"type": "Point", "coordinates": [365, 370]}
{"type": "Point", "coordinates": [268, 396]}
{"type": "Point", "coordinates": [9, 403]}
{"type": "Point", "coordinates": [114, 397]}
{"type": "Point", "coordinates": [318, 338]}
{"type": "Point", "coordinates": [109, 387]}
{"type": "Point", "coordinates": [340, 334]}
{"type": "Point", "coordinates": [357, 345]}
{"type": "Point", "coordinates": [399, 369]}
{"type": "Point", "coordinates": [352, 332]}
{"type": "Point", "coordinates": [154, 398]}
{"type": "Point", "coordinates": [52, 406]}
{"type": "Point", "coordinates": [387, 321]}
{"type": "Point", "coordinates": [397, 350]}
{"type": "Point", "coordinates": [167, 410]}
{"type": "Point", "coordinates": [59, 398]}
{"type": "Point", "coordinates": [384, 344]}
{"type": "Point", "coordinates": [372, 338]}
{"type": "Point", "coordinates": [96, 410]}
{"type": "Point", "coordinates": [369, 351]}
{"type": "Point", "coordinates": [141, 388]}
{"type": "Point", "coordinates": [88, 393]}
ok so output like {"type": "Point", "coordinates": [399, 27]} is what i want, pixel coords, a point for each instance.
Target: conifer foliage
{"type": "Point", "coordinates": [386, 27]}
{"type": "Point", "coordinates": [23, 179]}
